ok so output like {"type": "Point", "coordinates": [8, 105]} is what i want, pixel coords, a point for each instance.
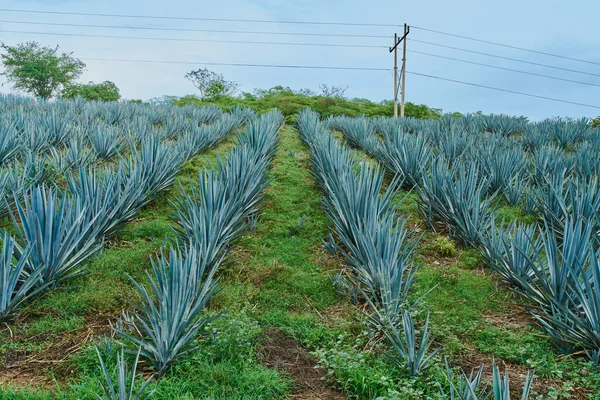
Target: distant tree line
{"type": "Point", "coordinates": [45, 72]}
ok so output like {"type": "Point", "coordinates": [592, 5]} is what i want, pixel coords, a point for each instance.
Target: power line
{"type": "Point", "coordinates": [261, 21]}
{"type": "Point", "coordinates": [197, 40]}
{"type": "Point", "coordinates": [504, 58]}
{"type": "Point", "coordinates": [240, 64]}
{"type": "Point", "coordinates": [503, 68]}
{"type": "Point", "coordinates": [149, 28]}
{"type": "Point", "coordinates": [503, 90]}
{"type": "Point", "coordinates": [506, 45]}
{"type": "Point", "coordinates": [326, 67]}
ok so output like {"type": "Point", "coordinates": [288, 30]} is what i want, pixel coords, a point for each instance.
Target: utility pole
{"type": "Point", "coordinates": [403, 71]}
{"type": "Point", "coordinates": [395, 75]}
{"type": "Point", "coordinates": [396, 85]}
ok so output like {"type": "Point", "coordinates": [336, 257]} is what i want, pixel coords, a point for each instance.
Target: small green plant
{"type": "Point", "coordinates": [444, 246]}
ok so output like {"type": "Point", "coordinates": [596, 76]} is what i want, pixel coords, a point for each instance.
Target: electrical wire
{"type": "Point", "coordinates": [152, 28]}
{"type": "Point", "coordinates": [239, 64]}
{"type": "Point", "coordinates": [197, 40]}
{"type": "Point", "coordinates": [503, 68]}
{"type": "Point", "coordinates": [502, 90]}
{"type": "Point", "coordinates": [261, 21]}
{"type": "Point", "coordinates": [327, 67]}
{"type": "Point", "coordinates": [505, 45]}
{"type": "Point", "coordinates": [503, 58]}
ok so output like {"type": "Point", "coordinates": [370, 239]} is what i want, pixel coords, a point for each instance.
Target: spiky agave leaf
{"type": "Point", "coordinates": [310, 126]}
{"type": "Point", "coordinates": [159, 162]}
{"type": "Point", "coordinates": [411, 351]}
{"type": "Point", "coordinates": [558, 262]}
{"type": "Point", "coordinates": [408, 156]}
{"type": "Point", "coordinates": [74, 156]}
{"type": "Point", "coordinates": [548, 162]}
{"type": "Point", "coordinates": [207, 218]}
{"type": "Point", "coordinates": [167, 317]}
{"type": "Point", "coordinates": [501, 164]}
{"type": "Point", "coordinates": [501, 384]}
{"type": "Point", "coordinates": [567, 133]}
{"type": "Point", "coordinates": [212, 214]}
{"type": "Point", "coordinates": [201, 138]}
{"type": "Point", "coordinates": [561, 200]}
{"type": "Point", "coordinates": [34, 140]}
{"type": "Point", "coordinates": [58, 127]}
{"type": "Point", "coordinates": [565, 300]}
{"type": "Point", "coordinates": [389, 270]}
{"type": "Point", "coordinates": [387, 127]}
{"type": "Point", "coordinates": [468, 386]}
{"type": "Point", "coordinates": [574, 323]}
{"type": "Point", "coordinates": [457, 196]}
{"type": "Point", "coordinates": [106, 142]}
{"type": "Point", "coordinates": [16, 285]}
{"type": "Point", "coordinates": [376, 245]}
{"type": "Point", "coordinates": [109, 197]}
{"type": "Point", "coordinates": [10, 145]}
{"type": "Point", "coordinates": [586, 159]}
{"type": "Point", "coordinates": [502, 125]}
{"type": "Point", "coordinates": [510, 252]}
{"type": "Point", "coordinates": [125, 385]}
{"type": "Point", "coordinates": [202, 115]}
{"type": "Point", "coordinates": [55, 229]}
{"type": "Point", "coordinates": [359, 132]}
{"type": "Point", "coordinates": [455, 144]}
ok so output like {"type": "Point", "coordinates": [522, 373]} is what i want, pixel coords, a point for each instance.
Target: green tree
{"type": "Point", "coordinates": [210, 84]}
{"type": "Point", "coordinates": [39, 70]}
{"type": "Point", "coordinates": [105, 91]}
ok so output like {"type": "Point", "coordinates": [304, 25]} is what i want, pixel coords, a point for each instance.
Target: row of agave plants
{"type": "Point", "coordinates": [378, 250]}
{"type": "Point", "coordinates": [58, 220]}
{"type": "Point", "coordinates": [72, 133]}
{"type": "Point", "coordinates": [56, 225]}
{"type": "Point", "coordinates": [553, 263]}
{"type": "Point", "coordinates": [225, 201]}
{"type": "Point", "coordinates": [516, 165]}
{"type": "Point", "coordinates": [39, 141]}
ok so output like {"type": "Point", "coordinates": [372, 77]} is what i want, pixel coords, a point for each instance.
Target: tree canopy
{"type": "Point", "coordinates": [105, 91]}
{"type": "Point", "coordinates": [211, 84]}
{"type": "Point", "coordinates": [39, 70]}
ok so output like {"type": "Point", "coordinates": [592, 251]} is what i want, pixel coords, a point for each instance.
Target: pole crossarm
{"type": "Point", "coordinates": [401, 39]}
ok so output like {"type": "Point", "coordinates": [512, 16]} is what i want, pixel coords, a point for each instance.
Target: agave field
{"type": "Point", "coordinates": [186, 252]}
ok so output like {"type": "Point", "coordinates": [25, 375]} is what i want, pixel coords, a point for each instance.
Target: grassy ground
{"type": "Point", "coordinates": [280, 303]}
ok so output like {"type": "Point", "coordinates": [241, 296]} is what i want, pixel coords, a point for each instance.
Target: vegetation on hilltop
{"type": "Point", "coordinates": [290, 102]}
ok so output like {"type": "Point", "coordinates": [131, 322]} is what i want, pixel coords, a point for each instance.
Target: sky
{"type": "Point", "coordinates": [546, 26]}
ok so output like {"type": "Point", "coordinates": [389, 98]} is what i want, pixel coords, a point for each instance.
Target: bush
{"type": "Point", "coordinates": [291, 102]}
{"type": "Point", "coordinates": [105, 91]}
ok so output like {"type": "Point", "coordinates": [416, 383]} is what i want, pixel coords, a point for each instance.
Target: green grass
{"type": "Point", "coordinates": [274, 272]}
{"type": "Point", "coordinates": [279, 277]}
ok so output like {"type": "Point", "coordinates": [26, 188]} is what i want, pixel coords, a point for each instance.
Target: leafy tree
{"type": "Point", "coordinates": [211, 84]}
{"type": "Point", "coordinates": [39, 70]}
{"type": "Point", "coordinates": [333, 91]}
{"type": "Point", "coordinates": [596, 122]}
{"type": "Point", "coordinates": [105, 91]}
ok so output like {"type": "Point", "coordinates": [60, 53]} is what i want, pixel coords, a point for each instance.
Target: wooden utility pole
{"type": "Point", "coordinates": [396, 85]}
{"type": "Point", "coordinates": [403, 72]}
{"type": "Point", "coordinates": [395, 75]}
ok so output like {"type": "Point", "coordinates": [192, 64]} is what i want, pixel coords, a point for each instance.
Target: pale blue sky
{"type": "Point", "coordinates": [549, 26]}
